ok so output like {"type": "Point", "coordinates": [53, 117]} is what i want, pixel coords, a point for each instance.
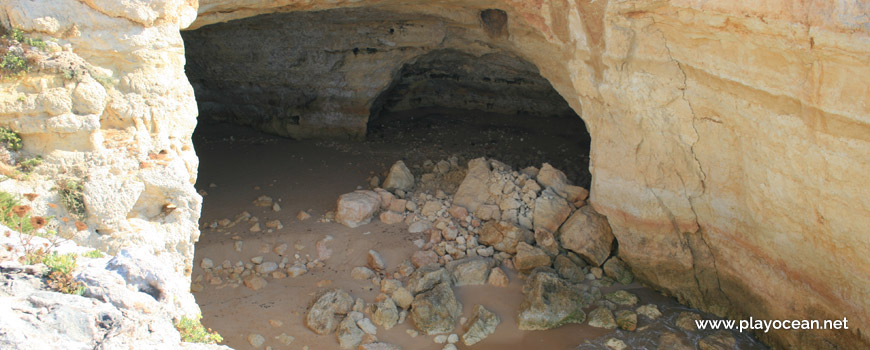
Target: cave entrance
{"type": "Point", "coordinates": [495, 105]}
{"type": "Point", "coordinates": [297, 109]}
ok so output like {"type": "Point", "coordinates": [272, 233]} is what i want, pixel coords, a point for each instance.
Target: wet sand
{"type": "Point", "coordinates": [310, 175]}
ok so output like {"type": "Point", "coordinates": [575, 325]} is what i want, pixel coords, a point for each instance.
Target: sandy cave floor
{"type": "Point", "coordinates": [310, 175]}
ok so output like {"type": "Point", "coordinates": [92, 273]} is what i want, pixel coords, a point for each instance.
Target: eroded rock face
{"type": "Point", "coordinates": [701, 161]}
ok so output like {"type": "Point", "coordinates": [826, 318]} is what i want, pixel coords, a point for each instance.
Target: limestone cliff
{"type": "Point", "coordinates": [729, 139]}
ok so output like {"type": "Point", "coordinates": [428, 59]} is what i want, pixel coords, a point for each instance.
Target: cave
{"type": "Point", "coordinates": [298, 109]}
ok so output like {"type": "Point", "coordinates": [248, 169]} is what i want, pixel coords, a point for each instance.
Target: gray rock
{"type": "Point", "coordinates": [601, 317]}
{"type": "Point", "coordinates": [375, 261]}
{"type": "Point", "coordinates": [481, 325]}
{"type": "Point", "coordinates": [621, 297]}
{"type": "Point", "coordinates": [568, 270]}
{"type": "Point", "coordinates": [321, 317]}
{"type": "Point", "coordinates": [399, 178]}
{"type": "Point", "coordinates": [349, 335]}
{"type": "Point", "coordinates": [588, 234]}
{"type": "Point", "coordinates": [386, 314]}
{"type": "Point", "coordinates": [618, 271]}
{"type": "Point", "coordinates": [650, 311]}
{"type": "Point", "coordinates": [551, 302]}
{"type": "Point", "coordinates": [436, 310]}
{"type": "Point", "coordinates": [470, 271]}
{"type": "Point", "coordinates": [504, 236]}
{"type": "Point", "coordinates": [426, 277]}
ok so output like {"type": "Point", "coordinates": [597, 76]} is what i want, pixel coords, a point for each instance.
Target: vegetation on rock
{"type": "Point", "coordinates": [192, 331]}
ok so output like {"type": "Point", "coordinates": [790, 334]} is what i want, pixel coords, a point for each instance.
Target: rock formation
{"type": "Point", "coordinates": [729, 139]}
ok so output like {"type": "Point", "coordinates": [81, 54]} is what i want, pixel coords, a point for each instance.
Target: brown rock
{"type": "Point", "coordinates": [504, 236]}
{"type": "Point", "coordinates": [255, 282]}
{"type": "Point", "coordinates": [423, 258]}
{"type": "Point", "coordinates": [474, 191]}
{"type": "Point", "coordinates": [588, 234]}
{"type": "Point", "coordinates": [357, 208]}
{"type": "Point", "coordinates": [529, 257]}
{"type": "Point", "coordinates": [497, 278]}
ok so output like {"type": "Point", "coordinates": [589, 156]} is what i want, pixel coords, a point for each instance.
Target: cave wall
{"type": "Point", "coordinates": [729, 139]}
{"type": "Point", "coordinates": [319, 74]}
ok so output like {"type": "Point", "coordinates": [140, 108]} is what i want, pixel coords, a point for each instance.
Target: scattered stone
{"type": "Point", "coordinates": [375, 261]}
{"type": "Point", "coordinates": [529, 257]}
{"type": "Point", "coordinates": [567, 269]}
{"type": "Point", "coordinates": [256, 340]}
{"type": "Point", "coordinates": [274, 224]}
{"type": "Point", "coordinates": [427, 277]}
{"type": "Point", "coordinates": [686, 320]}
{"type": "Point", "coordinates": [673, 341]}
{"type": "Point", "coordinates": [650, 311]}
{"type": "Point", "coordinates": [386, 315]}
{"type": "Point", "coordinates": [276, 323]}
{"type": "Point", "coordinates": [323, 252]}
{"type": "Point", "coordinates": [482, 324]}
{"type": "Point", "coordinates": [547, 243]}
{"type": "Point", "coordinates": [621, 297]}
{"type": "Point", "coordinates": [412, 333]}
{"type": "Point", "coordinates": [321, 317]}
{"type": "Point", "coordinates": [618, 270]}
{"type": "Point", "coordinates": [357, 208]}
{"type": "Point", "coordinates": [285, 339]}
{"type": "Point", "coordinates": [601, 317]}
{"type": "Point", "coordinates": [255, 228]}
{"type": "Point", "coordinates": [616, 344]}
{"type": "Point", "coordinates": [302, 216]}
{"type": "Point", "coordinates": [419, 226]}
{"type": "Point", "coordinates": [255, 282]}
{"type": "Point", "coordinates": [470, 271]}
{"type": "Point", "coordinates": [551, 210]}
{"type": "Point", "coordinates": [266, 267]}
{"type": "Point", "coordinates": [424, 257]}
{"type": "Point", "coordinates": [403, 297]}
{"type": "Point", "coordinates": [238, 246]}
{"type": "Point", "coordinates": [626, 320]}
{"type": "Point", "coordinates": [436, 311]}
{"type": "Point", "coordinates": [276, 207]}
{"type": "Point", "coordinates": [206, 263]}
{"type": "Point", "coordinates": [497, 278]}
{"type": "Point", "coordinates": [549, 176]}
{"type": "Point", "coordinates": [362, 273]}
{"type": "Point", "coordinates": [390, 217]}
{"type": "Point", "coordinates": [449, 347]}
{"type": "Point", "coordinates": [406, 268]}
{"type": "Point", "coordinates": [349, 335]}
{"type": "Point", "coordinates": [440, 339]}
{"type": "Point", "coordinates": [399, 177]}
{"type": "Point", "coordinates": [452, 338]}
{"type": "Point", "coordinates": [457, 212]}
{"type": "Point", "coordinates": [551, 302]}
{"type": "Point", "coordinates": [263, 201]}
{"type": "Point", "coordinates": [280, 249]}
{"type": "Point", "coordinates": [588, 234]}
{"type": "Point", "coordinates": [721, 340]}
{"type": "Point", "coordinates": [298, 269]}
{"type": "Point", "coordinates": [379, 346]}
{"type": "Point", "coordinates": [504, 236]}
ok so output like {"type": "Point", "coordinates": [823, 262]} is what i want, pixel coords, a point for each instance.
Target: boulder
{"type": "Point", "coordinates": [481, 325]}
{"type": "Point", "coordinates": [386, 314]}
{"type": "Point", "coordinates": [357, 208]}
{"type": "Point", "coordinates": [424, 257]}
{"type": "Point", "coordinates": [549, 176]}
{"type": "Point", "coordinates": [436, 311]}
{"type": "Point", "coordinates": [618, 270]}
{"type": "Point", "coordinates": [529, 257]}
{"type": "Point", "coordinates": [399, 178]}
{"type": "Point", "coordinates": [474, 190]}
{"type": "Point", "coordinates": [626, 320]}
{"type": "Point", "coordinates": [321, 317]}
{"type": "Point", "coordinates": [497, 278]}
{"type": "Point", "coordinates": [551, 302]}
{"type": "Point", "coordinates": [471, 270]}
{"type": "Point", "coordinates": [427, 277]}
{"type": "Point", "coordinates": [504, 236]}
{"type": "Point", "coordinates": [588, 234]}
{"type": "Point", "coordinates": [621, 297]}
{"type": "Point", "coordinates": [551, 210]}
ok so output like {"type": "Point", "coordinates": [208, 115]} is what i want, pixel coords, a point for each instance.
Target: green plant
{"type": "Point", "coordinates": [10, 138]}
{"type": "Point", "coordinates": [29, 164]}
{"type": "Point", "coordinates": [14, 63]}
{"type": "Point", "coordinates": [72, 195]}
{"type": "Point", "coordinates": [93, 254]}
{"type": "Point", "coordinates": [60, 277]}
{"type": "Point", "coordinates": [192, 331]}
